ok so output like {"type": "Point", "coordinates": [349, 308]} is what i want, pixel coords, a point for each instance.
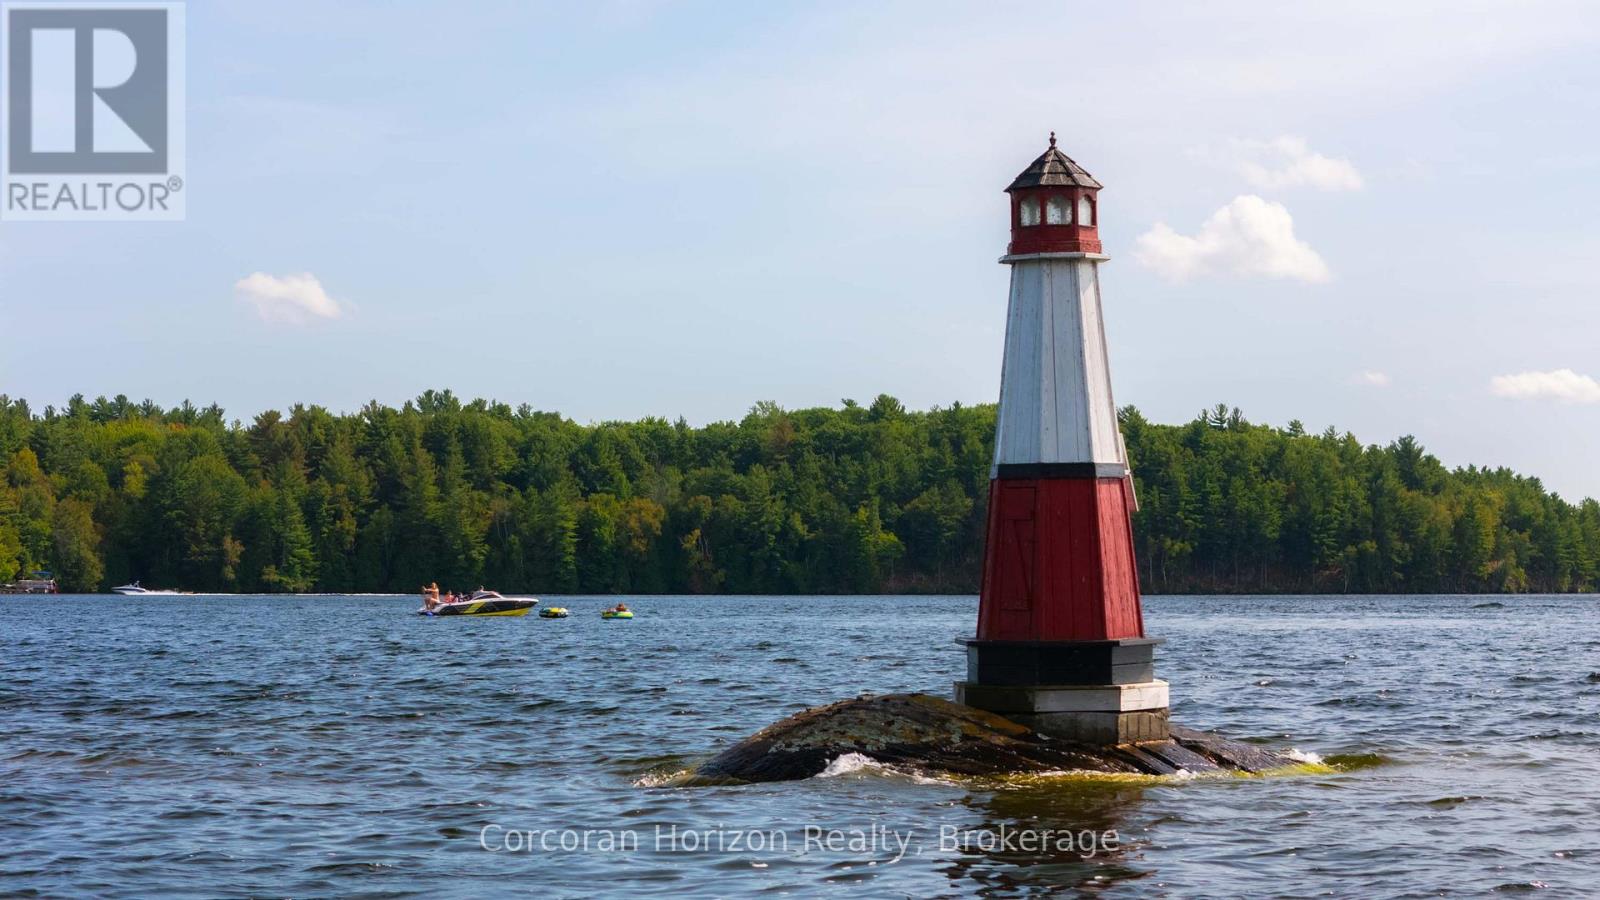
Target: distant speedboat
{"type": "Point", "coordinates": [483, 603]}
{"type": "Point", "coordinates": [137, 590]}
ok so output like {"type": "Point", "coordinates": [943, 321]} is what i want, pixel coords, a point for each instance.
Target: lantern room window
{"type": "Point", "coordinates": [1029, 212]}
{"type": "Point", "coordinates": [1058, 211]}
{"type": "Point", "coordinates": [1085, 211]}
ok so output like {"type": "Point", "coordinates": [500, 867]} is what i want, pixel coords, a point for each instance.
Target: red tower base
{"type": "Point", "coordinates": [1061, 645]}
{"type": "Point", "coordinates": [1058, 564]}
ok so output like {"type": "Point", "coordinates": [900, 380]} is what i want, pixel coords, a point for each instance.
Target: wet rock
{"type": "Point", "coordinates": [1230, 755]}
{"type": "Point", "coordinates": [933, 735]}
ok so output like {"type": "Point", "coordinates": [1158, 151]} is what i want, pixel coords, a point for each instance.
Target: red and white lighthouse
{"type": "Point", "coordinates": [1060, 643]}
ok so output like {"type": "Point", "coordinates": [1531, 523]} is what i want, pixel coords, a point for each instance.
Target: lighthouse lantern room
{"type": "Point", "coordinates": [1060, 643]}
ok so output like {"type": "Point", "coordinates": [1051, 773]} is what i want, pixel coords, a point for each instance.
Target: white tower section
{"type": "Point", "coordinates": [1055, 387]}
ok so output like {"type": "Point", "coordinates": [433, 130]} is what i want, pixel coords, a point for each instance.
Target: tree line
{"type": "Point", "coordinates": [858, 499]}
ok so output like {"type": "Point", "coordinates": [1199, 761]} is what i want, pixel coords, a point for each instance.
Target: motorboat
{"type": "Point", "coordinates": [482, 603]}
{"type": "Point", "coordinates": [137, 590]}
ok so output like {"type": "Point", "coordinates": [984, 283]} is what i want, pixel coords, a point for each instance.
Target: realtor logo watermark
{"type": "Point", "coordinates": [91, 111]}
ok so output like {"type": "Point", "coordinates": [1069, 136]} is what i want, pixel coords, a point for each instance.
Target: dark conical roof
{"type": "Point", "coordinates": [1054, 168]}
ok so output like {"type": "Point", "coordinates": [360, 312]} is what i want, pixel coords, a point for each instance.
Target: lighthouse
{"type": "Point", "coordinates": [1060, 643]}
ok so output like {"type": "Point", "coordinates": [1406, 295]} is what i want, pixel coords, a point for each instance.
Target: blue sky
{"type": "Point", "coordinates": [1377, 216]}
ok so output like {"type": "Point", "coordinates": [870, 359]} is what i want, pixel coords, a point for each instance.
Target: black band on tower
{"type": "Point", "coordinates": [1060, 470]}
{"type": "Point", "coordinates": [1126, 661]}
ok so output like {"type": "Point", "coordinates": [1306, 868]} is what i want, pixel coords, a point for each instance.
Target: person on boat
{"type": "Point", "coordinates": [430, 596]}
{"type": "Point", "coordinates": [622, 607]}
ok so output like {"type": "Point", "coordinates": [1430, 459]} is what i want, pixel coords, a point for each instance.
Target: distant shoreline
{"type": "Point", "coordinates": [858, 499]}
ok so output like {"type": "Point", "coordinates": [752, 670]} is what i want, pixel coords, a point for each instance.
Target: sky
{"type": "Point", "coordinates": [1375, 216]}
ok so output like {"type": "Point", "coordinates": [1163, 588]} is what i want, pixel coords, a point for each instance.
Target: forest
{"type": "Point", "coordinates": [857, 499]}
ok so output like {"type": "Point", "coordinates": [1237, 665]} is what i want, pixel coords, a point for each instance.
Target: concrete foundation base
{"type": "Point", "coordinates": [1052, 698]}
{"type": "Point", "coordinates": [1089, 714]}
{"type": "Point", "coordinates": [1099, 728]}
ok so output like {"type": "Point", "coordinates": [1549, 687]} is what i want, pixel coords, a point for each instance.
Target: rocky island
{"type": "Point", "coordinates": [935, 736]}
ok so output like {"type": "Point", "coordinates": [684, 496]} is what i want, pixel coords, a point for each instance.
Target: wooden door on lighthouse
{"type": "Point", "coordinates": [1011, 566]}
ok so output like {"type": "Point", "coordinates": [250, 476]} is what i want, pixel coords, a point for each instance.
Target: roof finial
{"type": "Point", "coordinates": [1052, 140]}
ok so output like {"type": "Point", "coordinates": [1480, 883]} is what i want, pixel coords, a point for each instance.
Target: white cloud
{"type": "Point", "coordinates": [1562, 384]}
{"type": "Point", "coordinates": [291, 299]}
{"type": "Point", "coordinates": [1371, 378]}
{"type": "Point", "coordinates": [1288, 162]}
{"type": "Point", "coordinates": [1249, 237]}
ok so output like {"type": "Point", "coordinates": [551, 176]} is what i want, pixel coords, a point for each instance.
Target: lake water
{"type": "Point", "coordinates": [292, 746]}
